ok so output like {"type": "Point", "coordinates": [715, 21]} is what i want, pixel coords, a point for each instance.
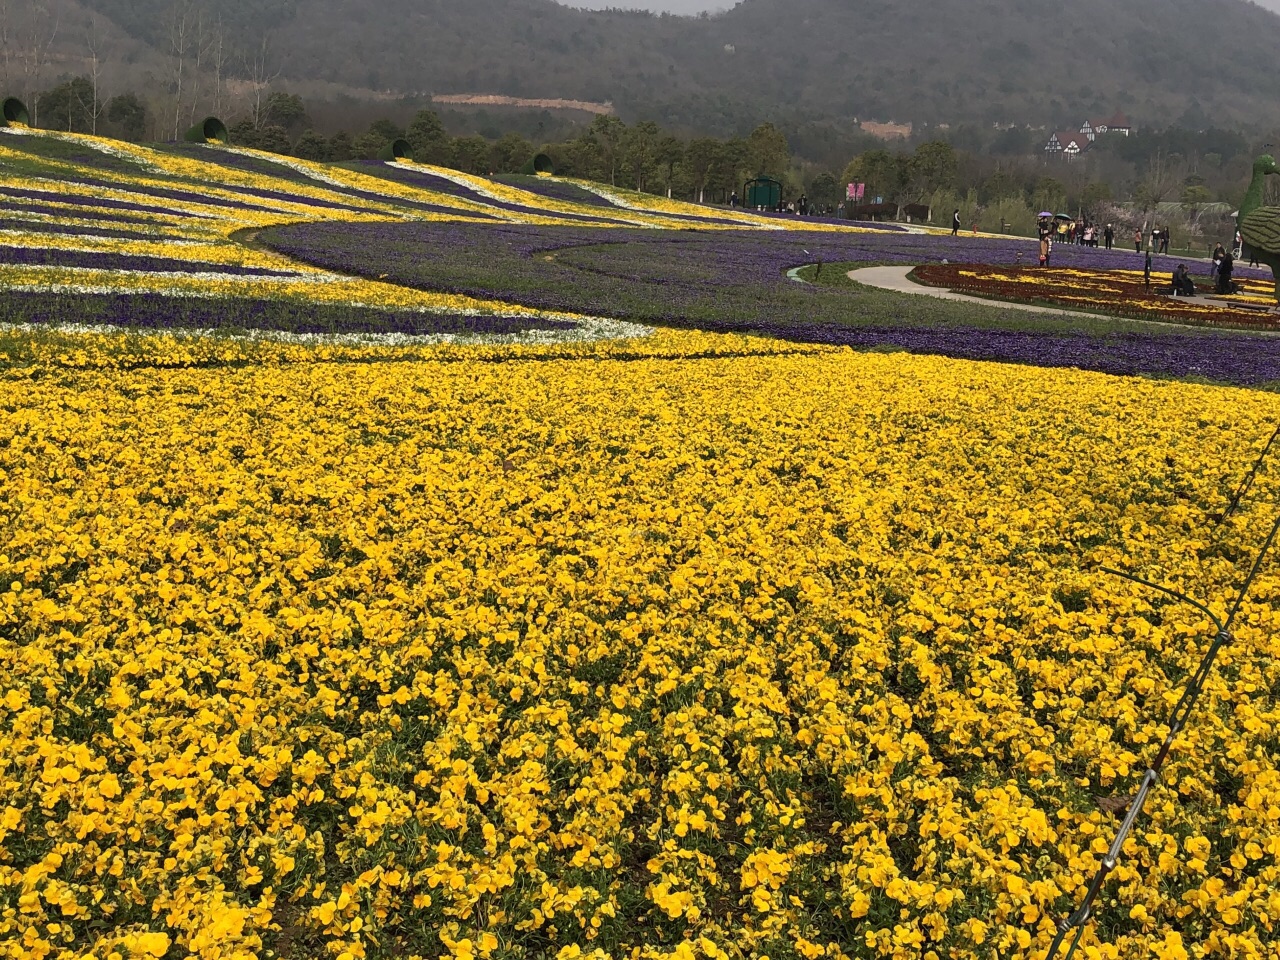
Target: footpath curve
{"type": "Point", "coordinates": [897, 280]}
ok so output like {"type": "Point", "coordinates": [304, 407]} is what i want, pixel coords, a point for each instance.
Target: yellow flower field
{"type": "Point", "coordinates": [632, 650]}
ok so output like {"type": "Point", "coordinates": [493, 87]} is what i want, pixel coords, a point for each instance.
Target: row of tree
{"type": "Point", "coordinates": [640, 156]}
{"type": "Point", "coordinates": [1192, 169]}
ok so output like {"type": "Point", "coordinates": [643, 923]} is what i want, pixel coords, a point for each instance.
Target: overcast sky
{"type": "Point", "coordinates": [697, 6]}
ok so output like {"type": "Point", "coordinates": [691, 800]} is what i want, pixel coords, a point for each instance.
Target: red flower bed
{"type": "Point", "coordinates": [1117, 292]}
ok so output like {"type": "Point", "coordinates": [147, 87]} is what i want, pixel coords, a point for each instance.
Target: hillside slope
{"type": "Point", "coordinates": [928, 61]}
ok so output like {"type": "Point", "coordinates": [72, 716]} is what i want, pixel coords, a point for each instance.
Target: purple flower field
{"type": "Point", "coordinates": [736, 282]}
{"type": "Point", "coordinates": [426, 181]}
{"type": "Point", "coordinates": [151, 312]}
{"type": "Point", "coordinates": [84, 200]}
{"type": "Point", "coordinates": [557, 190]}
{"type": "Point", "coordinates": [27, 256]}
{"type": "Point", "coordinates": [1241, 360]}
{"type": "Point", "coordinates": [70, 229]}
{"type": "Point", "coordinates": [47, 210]}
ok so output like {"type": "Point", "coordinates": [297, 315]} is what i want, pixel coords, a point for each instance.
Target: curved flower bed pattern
{"type": "Point", "coordinates": [194, 207]}
{"type": "Point", "coordinates": [1118, 292]}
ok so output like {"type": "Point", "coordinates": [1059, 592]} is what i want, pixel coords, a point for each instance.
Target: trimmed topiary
{"type": "Point", "coordinates": [208, 130]}
{"type": "Point", "coordinates": [540, 165]}
{"type": "Point", "coordinates": [396, 150]}
{"type": "Point", "coordinates": [14, 113]}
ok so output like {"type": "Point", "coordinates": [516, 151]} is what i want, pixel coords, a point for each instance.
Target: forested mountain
{"type": "Point", "coordinates": [924, 61]}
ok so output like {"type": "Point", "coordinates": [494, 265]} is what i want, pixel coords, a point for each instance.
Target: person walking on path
{"type": "Point", "coordinates": [1046, 247]}
{"type": "Point", "coordinates": [1137, 241]}
{"type": "Point", "coordinates": [1164, 240]}
{"type": "Point", "coordinates": [1109, 236]}
{"type": "Point", "coordinates": [1146, 271]}
{"type": "Point", "coordinates": [955, 224]}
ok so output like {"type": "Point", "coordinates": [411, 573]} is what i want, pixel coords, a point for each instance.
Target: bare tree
{"type": "Point", "coordinates": [95, 108]}
{"type": "Point", "coordinates": [1163, 178]}
{"type": "Point", "coordinates": [218, 59]}
{"type": "Point", "coordinates": [201, 44]}
{"type": "Point", "coordinates": [34, 45]}
{"type": "Point", "coordinates": [6, 49]}
{"type": "Point", "coordinates": [180, 31]}
{"type": "Point", "coordinates": [260, 80]}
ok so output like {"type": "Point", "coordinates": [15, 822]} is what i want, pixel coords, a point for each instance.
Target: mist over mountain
{"type": "Point", "coordinates": [1195, 62]}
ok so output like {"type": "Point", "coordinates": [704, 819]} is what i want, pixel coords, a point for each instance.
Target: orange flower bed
{"type": "Point", "coordinates": [1119, 292]}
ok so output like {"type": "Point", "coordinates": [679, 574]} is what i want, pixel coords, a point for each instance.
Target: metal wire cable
{"type": "Point", "coordinates": [1247, 484]}
{"type": "Point", "coordinates": [1177, 722]}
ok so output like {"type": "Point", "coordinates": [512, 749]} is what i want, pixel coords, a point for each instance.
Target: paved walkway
{"type": "Point", "coordinates": [895, 279]}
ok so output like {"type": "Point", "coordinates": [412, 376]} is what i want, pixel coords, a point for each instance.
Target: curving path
{"type": "Point", "coordinates": [897, 280]}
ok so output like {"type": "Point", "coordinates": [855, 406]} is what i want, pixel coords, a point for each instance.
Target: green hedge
{"type": "Point", "coordinates": [15, 111]}
{"type": "Point", "coordinates": [540, 164]}
{"type": "Point", "coordinates": [396, 150]}
{"type": "Point", "coordinates": [210, 128]}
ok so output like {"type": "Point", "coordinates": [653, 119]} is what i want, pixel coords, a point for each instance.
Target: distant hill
{"type": "Point", "coordinates": [919, 61]}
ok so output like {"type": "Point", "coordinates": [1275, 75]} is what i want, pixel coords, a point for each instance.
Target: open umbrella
{"type": "Point", "coordinates": [1064, 216]}
{"type": "Point", "coordinates": [1044, 213]}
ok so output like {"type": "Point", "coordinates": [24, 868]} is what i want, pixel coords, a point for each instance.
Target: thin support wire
{"type": "Point", "coordinates": [1247, 484]}
{"type": "Point", "coordinates": [1177, 722]}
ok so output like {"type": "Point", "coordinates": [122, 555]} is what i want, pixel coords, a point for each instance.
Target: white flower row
{"type": "Point", "coordinates": [480, 186]}
{"type": "Point", "coordinates": [158, 276]}
{"type": "Point", "coordinates": [110, 147]}
{"type": "Point", "coordinates": [94, 242]}
{"type": "Point", "coordinates": [588, 330]}
{"type": "Point", "coordinates": [617, 199]}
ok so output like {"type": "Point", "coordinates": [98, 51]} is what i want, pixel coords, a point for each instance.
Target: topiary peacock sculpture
{"type": "Point", "coordinates": [1260, 226]}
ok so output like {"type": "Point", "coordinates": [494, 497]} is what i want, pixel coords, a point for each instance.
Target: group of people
{"type": "Point", "coordinates": [1080, 233]}
{"type": "Point", "coordinates": [799, 208]}
{"type": "Point", "coordinates": [1222, 271]}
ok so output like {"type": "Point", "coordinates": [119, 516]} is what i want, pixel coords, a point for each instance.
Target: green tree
{"type": "Point", "coordinates": [1049, 194]}
{"type": "Point", "coordinates": [367, 146]}
{"type": "Point", "coordinates": [730, 166]}
{"type": "Point", "coordinates": [608, 133]}
{"type": "Point", "coordinates": [700, 157]}
{"type": "Point", "coordinates": [311, 146]}
{"type": "Point", "coordinates": [274, 138]}
{"type": "Point", "coordinates": [1094, 195]}
{"type": "Point", "coordinates": [669, 153]}
{"type": "Point", "coordinates": [128, 115]}
{"type": "Point", "coordinates": [1010, 215]}
{"type": "Point", "coordinates": [511, 153]}
{"type": "Point", "coordinates": [824, 191]}
{"type": "Point", "coordinates": [471, 155]}
{"type": "Point", "coordinates": [933, 168]}
{"type": "Point", "coordinates": [1001, 185]}
{"type": "Point", "coordinates": [886, 175]}
{"type": "Point", "coordinates": [341, 148]}
{"type": "Point", "coordinates": [1194, 197]}
{"type": "Point", "coordinates": [768, 153]}
{"type": "Point", "coordinates": [640, 152]}
{"type": "Point", "coordinates": [286, 110]}
{"type": "Point", "coordinates": [427, 137]}
{"type": "Point", "coordinates": [385, 130]}
{"type": "Point", "coordinates": [69, 106]}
